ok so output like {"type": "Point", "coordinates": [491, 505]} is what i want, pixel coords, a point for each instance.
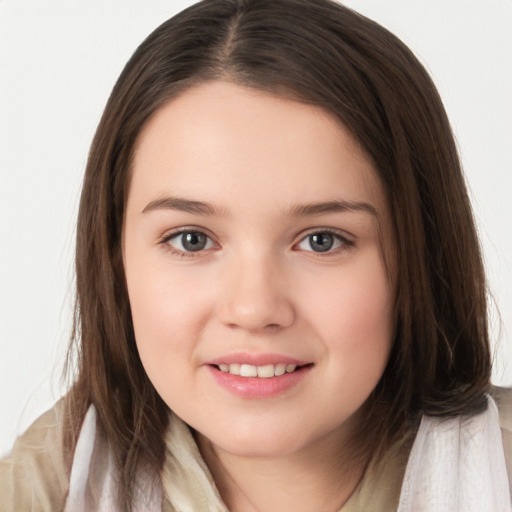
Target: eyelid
{"type": "Point", "coordinates": [347, 239]}
{"type": "Point", "coordinates": [321, 229]}
{"type": "Point", "coordinates": [169, 235]}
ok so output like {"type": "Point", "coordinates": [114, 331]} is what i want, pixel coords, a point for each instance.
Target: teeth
{"type": "Point", "coordinates": [247, 370]}
{"type": "Point", "coordinates": [280, 369]}
{"type": "Point", "coordinates": [234, 369]}
{"type": "Point", "coordinates": [263, 372]}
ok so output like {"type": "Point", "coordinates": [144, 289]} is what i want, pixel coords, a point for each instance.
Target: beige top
{"type": "Point", "coordinates": [35, 476]}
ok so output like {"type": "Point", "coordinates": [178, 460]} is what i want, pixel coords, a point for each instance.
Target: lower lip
{"type": "Point", "coordinates": [253, 387]}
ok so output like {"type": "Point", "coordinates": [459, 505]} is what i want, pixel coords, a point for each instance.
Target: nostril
{"type": "Point", "coordinates": [267, 327]}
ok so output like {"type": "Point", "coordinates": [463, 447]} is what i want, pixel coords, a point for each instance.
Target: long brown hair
{"type": "Point", "coordinates": [319, 52]}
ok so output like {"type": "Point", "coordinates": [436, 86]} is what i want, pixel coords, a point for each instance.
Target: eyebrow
{"type": "Point", "coordinates": [310, 209]}
{"type": "Point", "coordinates": [182, 204]}
{"type": "Point", "coordinates": [299, 210]}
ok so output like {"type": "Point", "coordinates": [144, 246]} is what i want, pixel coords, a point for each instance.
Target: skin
{"type": "Point", "coordinates": [259, 286]}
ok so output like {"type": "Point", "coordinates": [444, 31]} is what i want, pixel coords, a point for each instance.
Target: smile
{"type": "Point", "coordinates": [258, 381]}
{"type": "Point", "coordinates": [263, 372]}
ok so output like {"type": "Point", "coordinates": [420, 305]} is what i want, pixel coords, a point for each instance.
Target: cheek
{"type": "Point", "coordinates": [354, 313]}
{"type": "Point", "coordinates": [168, 310]}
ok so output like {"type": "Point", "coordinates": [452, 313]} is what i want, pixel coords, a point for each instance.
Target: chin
{"type": "Point", "coordinates": [262, 442]}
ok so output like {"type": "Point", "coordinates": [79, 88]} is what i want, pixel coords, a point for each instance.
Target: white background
{"type": "Point", "coordinates": [58, 62]}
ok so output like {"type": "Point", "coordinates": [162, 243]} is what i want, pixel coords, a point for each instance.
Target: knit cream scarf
{"type": "Point", "coordinates": [455, 465]}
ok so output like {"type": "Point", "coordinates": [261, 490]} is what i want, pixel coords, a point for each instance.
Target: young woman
{"type": "Point", "coordinates": [281, 303]}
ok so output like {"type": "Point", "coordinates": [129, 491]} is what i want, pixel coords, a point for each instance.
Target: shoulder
{"type": "Point", "coordinates": [503, 399]}
{"type": "Point", "coordinates": [35, 475]}
{"type": "Point", "coordinates": [381, 487]}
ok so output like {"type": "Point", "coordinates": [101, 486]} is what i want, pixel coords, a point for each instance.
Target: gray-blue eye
{"type": "Point", "coordinates": [190, 241]}
{"type": "Point", "coordinates": [321, 241]}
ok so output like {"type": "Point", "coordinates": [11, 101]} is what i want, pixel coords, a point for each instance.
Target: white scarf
{"type": "Point", "coordinates": [455, 465]}
{"type": "Point", "coordinates": [93, 486]}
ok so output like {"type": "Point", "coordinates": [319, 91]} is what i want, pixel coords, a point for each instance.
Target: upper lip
{"type": "Point", "coordinates": [255, 359]}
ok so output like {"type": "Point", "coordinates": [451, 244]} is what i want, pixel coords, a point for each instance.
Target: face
{"type": "Point", "coordinates": [253, 242]}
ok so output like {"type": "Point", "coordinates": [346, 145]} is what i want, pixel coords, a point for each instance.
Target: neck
{"type": "Point", "coordinates": [321, 477]}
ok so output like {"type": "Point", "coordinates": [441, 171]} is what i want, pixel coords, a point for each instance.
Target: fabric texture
{"type": "Point", "coordinates": [36, 475]}
{"type": "Point", "coordinates": [92, 484]}
{"type": "Point", "coordinates": [457, 465]}
{"type": "Point", "coordinates": [187, 481]}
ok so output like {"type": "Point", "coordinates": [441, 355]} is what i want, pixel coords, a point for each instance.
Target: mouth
{"type": "Point", "coordinates": [262, 372]}
{"type": "Point", "coordinates": [269, 375]}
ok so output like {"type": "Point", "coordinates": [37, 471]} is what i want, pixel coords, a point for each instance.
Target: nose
{"type": "Point", "coordinates": [255, 297]}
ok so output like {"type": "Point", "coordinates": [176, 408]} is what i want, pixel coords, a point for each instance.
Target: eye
{"type": "Point", "coordinates": [189, 241]}
{"type": "Point", "coordinates": [323, 241]}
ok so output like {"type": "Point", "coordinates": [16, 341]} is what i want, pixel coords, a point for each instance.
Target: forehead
{"type": "Point", "coordinates": [221, 141]}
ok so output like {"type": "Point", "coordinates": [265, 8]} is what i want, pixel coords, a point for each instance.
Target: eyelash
{"type": "Point", "coordinates": [346, 242]}
{"type": "Point", "coordinates": [164, 241]}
